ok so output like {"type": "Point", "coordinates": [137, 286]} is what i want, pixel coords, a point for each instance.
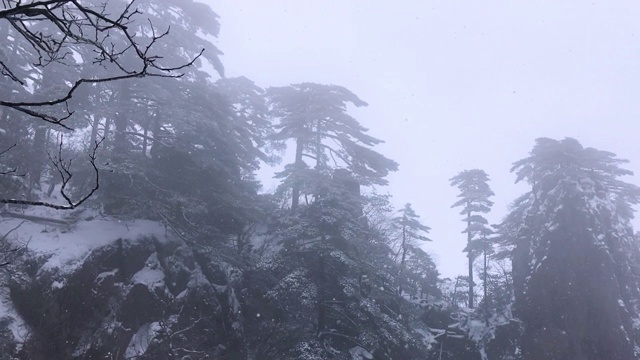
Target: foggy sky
{"type": "Point", "coordinates": [454, 85]}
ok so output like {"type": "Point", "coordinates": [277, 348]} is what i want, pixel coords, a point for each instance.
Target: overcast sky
{"type": "Point", "coordinates": [454, 85]}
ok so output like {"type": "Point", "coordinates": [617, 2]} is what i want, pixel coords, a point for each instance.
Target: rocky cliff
{"type": "Point", "coordinates": [99, 288]}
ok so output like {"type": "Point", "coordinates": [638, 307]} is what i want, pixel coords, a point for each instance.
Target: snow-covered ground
{"type": "Point", "coordinates": [67, 245]}
{"type": "Point", "coordinates": [64, 245]}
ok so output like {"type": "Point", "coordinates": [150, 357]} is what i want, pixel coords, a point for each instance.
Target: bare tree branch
{"type": "Point", "coordinates": [6, 71]}
{"type": "Point", "coordinates": [9, 171]}
{"type": "Point", "coordinates": [4, 237]}
{"type": "Point", "coordinates": [64, 170]}
{"type": "Point", "coordinates": [74, 24]}
{"type": "Point", "coordinates": [6, 249]}
{"type": "Point", "coordinates": [7, 149]}
{"type": "Point", "coordinates": [53, 31]}
{"type": "Point", "coordinates": [132, 133]}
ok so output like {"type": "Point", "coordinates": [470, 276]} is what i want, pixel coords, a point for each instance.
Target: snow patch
{"type": "Point", "coordinates": [358, 353]}
{"type": "Point", "coordinates": [428, 337]}
{"type": "Point", "coordinates": [16, 324]}
{"type": "Point", "coordinates": [103, 275]}
{"type": "Point", "coordinates": [151, 275]}
{"type": "Point", "coordinates": [68, 245]}
{"type": "Point", "coordinates": [141, 340]}
{"type": "Point", "coordinates": [477, 330]}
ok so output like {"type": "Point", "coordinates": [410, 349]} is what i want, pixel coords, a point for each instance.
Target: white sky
{"type": "Point", "coordinates": [454, 85]}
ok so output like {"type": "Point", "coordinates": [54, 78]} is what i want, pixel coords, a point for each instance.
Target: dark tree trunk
{"type": "Point", "coordinates": [403, 259]}
{"type": "Point", "coordinates": [295, 191]}
{"type": "Point", "coordinates": [121, 122]}
{"type": "Point", "coordinates": [321, 297]}
{"type": "Point", "coordinates": [485, 273]}
{"type": "Point", "coordinates": [470, 260]}
{"type": "Point", "coordinates": [157, 135]}
{"type": "Point", "coordinates": [38, 156]}
{"type": "Point", "coordinates": [95, 125]}
{"type": "Point", "coordinates": [107, 133]}
{"type": "Point", "coordinates": [144, 140]}
{"type": "Point", "coordinates": [484, 279]}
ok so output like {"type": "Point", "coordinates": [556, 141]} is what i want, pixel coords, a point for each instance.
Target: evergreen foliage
{"type": "Point", "coordinates": [474, 200]}
{"type": "Point", "coordinates": [574, 253]}
{"type": "Point", "coordinates": [315, 117]}
{"type": "Point", "coordinates": [323, 268]}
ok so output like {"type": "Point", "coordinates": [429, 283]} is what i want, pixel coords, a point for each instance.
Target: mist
{"type": "Point", "coordinates": [359, 180]}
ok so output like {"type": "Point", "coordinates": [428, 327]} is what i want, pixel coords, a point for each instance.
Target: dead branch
{"type": "Point", "coordinates": [58, 29]}
{"type": "Point", "coordinates": [72, 24]}
{"type": "Point", "coordinates": [33, 218]}
{"type": "Point", "coordinates": [64, 170]}
{"type": "Point", "coordinates": [6, 252]}
{"type": "Point", "coordinates": [9, 171]}
{"type": "Point", "coordinates": [4, 237]}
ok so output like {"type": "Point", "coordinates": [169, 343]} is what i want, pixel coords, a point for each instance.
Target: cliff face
{"type": "Point", "coordinates": [103, 289]}
{"type": "Point", "coordinates": [91, 287]}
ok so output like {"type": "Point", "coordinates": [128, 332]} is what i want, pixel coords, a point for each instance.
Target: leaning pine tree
{"type": "Point", "coordinates": [474, 200]}
{"type": "Point", "coordinates": [315, 117]}
{"type": "Point", "coordinates": [575, 259]}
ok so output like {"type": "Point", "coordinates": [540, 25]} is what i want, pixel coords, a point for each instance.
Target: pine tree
{"type": "Point", "coordinates": [410, 228]}
{"type": "Point", "coordinates": [574, 254]}
{"type": "Point", "coordinates": [315, 117]}
{"type": "Point", "coordinates": [474, 200]}
{"type": "Point", "coordinates": [113, 45]}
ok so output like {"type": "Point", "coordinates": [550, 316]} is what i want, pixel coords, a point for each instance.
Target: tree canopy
{"type": "Point", "coordinates": [315, 116]}
{"type": "Point", "coordinates": [572, 238]}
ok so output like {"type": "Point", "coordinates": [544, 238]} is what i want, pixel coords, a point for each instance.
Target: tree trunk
{"type": "Point", "coordinates": [485, 269]}
{"type": "Point", "coordinates": [321, 310]}
{"type": "Point", "coordinates": [107, 133]}
{"type": "Point", "coordinates": [38, 156]}
{"type": "Point", "coordinates": [95, 125]}
{"type": "Point", "coordinates": [157, 135]}
{"type": "Point", "coordinates": [319, 149]}
{"type": "Point", "coordinates": [470, 260]}
{"type": "Point", "coordinates": [121, 122]}
{"type": "Point", "coordinates": [38, 161]}
{"type": "Point", "coordinates": [454, 298]}
{"type": "Point", "coordinates": [295, 191]}
{"type": "Point", "coordinates": [484, 280]}
{"type": "Point", "coordinates": [144, 140]}
{"type": "Point", "coordinates": [403, 258]}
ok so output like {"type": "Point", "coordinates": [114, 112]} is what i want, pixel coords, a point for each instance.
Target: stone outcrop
{"type": "Point", "coordinates": [134, 298]}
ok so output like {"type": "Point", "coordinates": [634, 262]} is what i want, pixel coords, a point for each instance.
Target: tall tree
{"type": "Point", "coordinates": [410, 229]}
{"type": "Point", "coordinates": [60, 31]}
{"type": "Point", "coordinates": [474, 201]}
{"type": "Point", "coordinates": [574, 254]}
{"type": "Point", "coordinates": [342, 275]}
{"type": "Point", "coordinates": [251, 122]}
{"type": "Point", "coordinates": [315, 117]}
{"type": "Point", "coordinates": [54, 52]}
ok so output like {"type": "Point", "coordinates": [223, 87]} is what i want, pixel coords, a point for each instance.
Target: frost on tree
{"type": "Point", "coordinates": [574, 254]}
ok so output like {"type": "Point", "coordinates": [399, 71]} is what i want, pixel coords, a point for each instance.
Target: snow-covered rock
{"type": "Point", "coordinates": [95, 287]}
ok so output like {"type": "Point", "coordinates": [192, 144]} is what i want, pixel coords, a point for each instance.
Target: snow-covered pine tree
{"type": "Point", "coordinates": [574, 254]}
